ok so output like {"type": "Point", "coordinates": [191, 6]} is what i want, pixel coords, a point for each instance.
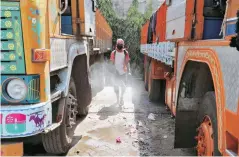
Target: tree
{"type": "Point", "coordinates": [128, 29]}
{"type": "Point", "coordinates": [149, 10]}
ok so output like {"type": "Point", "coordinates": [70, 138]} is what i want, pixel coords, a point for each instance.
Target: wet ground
{"type": "Point", "coordinates": [139, 135]}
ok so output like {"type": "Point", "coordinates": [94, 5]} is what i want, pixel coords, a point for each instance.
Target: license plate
{"type": "Point", "coordinates": [11, 149]}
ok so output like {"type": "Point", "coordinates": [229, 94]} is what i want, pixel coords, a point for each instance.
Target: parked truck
{"type": "Point", "coordinates": [191, 50]}
{"type": "Point", "coordinates": [47, 47]}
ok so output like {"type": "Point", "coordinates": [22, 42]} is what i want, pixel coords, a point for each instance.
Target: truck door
{"type": "Point", "coordinates": [183, 17]}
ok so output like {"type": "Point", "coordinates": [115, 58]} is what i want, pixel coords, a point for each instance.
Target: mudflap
{"type": "Point", "coordinates": [12, 149]}
{"type": "Point", "coordinates": [185, 129]}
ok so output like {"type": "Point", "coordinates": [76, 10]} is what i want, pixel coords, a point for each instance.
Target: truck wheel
{"type": "Point", "coordinates": [59, 140]}
{"type": "Point", "coordinates": [153, 87]}
{"type": "Point", "coordinates": [207, 134]}
{"type": "Point", "coordinates": [84, 97]}
{"type": "Point", "coordinates": [83, 87]}
{"type": "Point", "coordinates": [146, 77]}
{"type": "Point", "coordinates": [83, 111]}
{"type": "Point", "coordinates": [143, 74]}
{"type": "Point", "coordinates": [162, 91]}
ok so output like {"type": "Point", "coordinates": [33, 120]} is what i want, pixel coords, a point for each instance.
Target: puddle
{"type": "Point", "coordinates": [103, 141]}
{"type": "Point", "coordinates": [107, 134]}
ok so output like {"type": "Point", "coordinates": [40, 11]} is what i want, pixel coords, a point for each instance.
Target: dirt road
{"type": "Point", "coordinates": [96, 134]}
{"type": "Point", "coordinates": [138, 134]}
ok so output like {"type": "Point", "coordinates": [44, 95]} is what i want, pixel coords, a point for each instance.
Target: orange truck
{"type": "Point", "coordinates": [102, 39]}
{"type": "Point", "coordinates": [47, 47]}
{"type": "Point", "coordinates": [191, 62]}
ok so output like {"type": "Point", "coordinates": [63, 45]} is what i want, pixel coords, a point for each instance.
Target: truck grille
{"type": "Point", "coordinates": [12, 52]}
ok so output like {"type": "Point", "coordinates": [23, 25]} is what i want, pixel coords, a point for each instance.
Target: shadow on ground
{"type": "Point", "coordinates": [96, 134]}
{"type": "Point", "coordinates": [112, 110]}
{"type": "Point", "coordinates": [155, 137]}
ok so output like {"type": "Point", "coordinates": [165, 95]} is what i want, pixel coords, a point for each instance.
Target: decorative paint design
{"type": "Point", "coordinates": [1, 123]}
{"type": "Point", "coordinates": [8, 24]}
{"type": "Point", "coordinates": [12, 57]}
{"type": "Point", "coordinates": [11, 46]}
{"type": "Point", "coordinates": [36, 24]}
{"type": "Point", "coordinates": [39, 122]}
{"type": "Point", "coordinates": [13, 67]}
{"type": "Point", "coordinates": [7, 14]}
{"type": "Point", "coordinates": [25, 120]}
{"type": "Point", "coordinates": [14, 62]}
{"type": "Point", "coordinates": [15, 123]}
{"type": "Point", "coordinates": [18, 38]}
{"type": "Point", "coordinates": [2, 68]}
{"type": "Point", "coordinates": [163, 51]}
{"type": "Point", "coordinates": [9, 35]}
{"type": "Point", "coordinates": [209, 57]}
{"type": "Point", "coordinates": [53, 12]}
{"type": "Point", "coordinates": [34, 89]}
{"type": "Point", "coordinates": [9, 5]}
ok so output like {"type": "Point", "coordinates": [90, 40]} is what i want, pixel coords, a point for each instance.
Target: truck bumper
{"type": "Point", "coordinates": [24, 120]}
{"type": "Point", "coordinates": [12, 149]}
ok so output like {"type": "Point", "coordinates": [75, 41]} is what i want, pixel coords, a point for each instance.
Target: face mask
{"type": "Point", "coordinates": [119, 47]}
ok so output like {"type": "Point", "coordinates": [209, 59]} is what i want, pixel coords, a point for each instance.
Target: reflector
{"type": "Point", "coordinates": [40, 55]}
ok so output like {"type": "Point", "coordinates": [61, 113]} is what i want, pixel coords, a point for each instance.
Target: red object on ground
{"type": "Point", "coordinates": [118, 140]}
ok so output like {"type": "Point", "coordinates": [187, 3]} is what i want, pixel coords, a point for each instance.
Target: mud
{"type": "Point", "coordinates": [96, 134]}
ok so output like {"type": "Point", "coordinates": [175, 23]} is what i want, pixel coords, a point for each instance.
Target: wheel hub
{"type": "Point", "coordinates": [71, 110]}
{"type": "Point", "coordinates": [205, 145]}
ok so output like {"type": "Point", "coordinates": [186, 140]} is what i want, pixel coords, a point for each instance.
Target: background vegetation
{"type": "Point", "coordinates": [128, 28]}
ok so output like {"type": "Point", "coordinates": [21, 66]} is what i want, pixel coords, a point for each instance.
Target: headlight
{"type": "Point", "coordinates": [17, 89]}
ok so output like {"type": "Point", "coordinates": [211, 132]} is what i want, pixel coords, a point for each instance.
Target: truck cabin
{"type": "Point", "coordinates": [77, 17]}
{"type": "Point", "coordinates": [66, 18]}
{"type": "Point", "coordinates": [213, 13]}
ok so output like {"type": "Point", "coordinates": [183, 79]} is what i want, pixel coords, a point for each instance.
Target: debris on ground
{"type": "Point", "coordinates": [141, 142]}
{"type": "Point", "coordinates": [141, 139]}
{"type": "Point", "coordinates": [147, 130]}
{"type": "Point", "coordinates": [132, 130]}
{"type": "Point", "coordinates": [118, 140]}
{"type": "Point", "coordinates": [140, 123]}
{"type": "Point", "coordinates": [134, 144]}
{"type": "Point", "coordinates": [117, 136]}
{"type": "Point", "coordinates": [151, 116]}
{"type": "Point", "coordinates": [142, 132]}
{"type": "Point", "coordinates": [165, 136]}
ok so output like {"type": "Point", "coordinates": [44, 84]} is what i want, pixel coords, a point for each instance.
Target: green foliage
{"type": "Point", "coordinates": [128, 29]}
{"type": "Point", "coordinates": [149, 10]}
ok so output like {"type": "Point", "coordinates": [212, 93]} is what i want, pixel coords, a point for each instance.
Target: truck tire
{"type": "Point", "coordinates": [143, 74]}
{"type": "Point", "coordinates": [59, 140]}
{"type": "Point", "coordinates": [207, 118]}
{"type": "Point", "coordinates": [83, 87]}
{"type": "Point", "coordinates": [146, 77]}
{"type": "Point", "coordinates": [208, 3]}
{"type": "Point", "coordinates": [84, 98]}
{"type": "Point", "coordinates": [162, 91]}
{"type": "Point", "coordinates": [153, 87]}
